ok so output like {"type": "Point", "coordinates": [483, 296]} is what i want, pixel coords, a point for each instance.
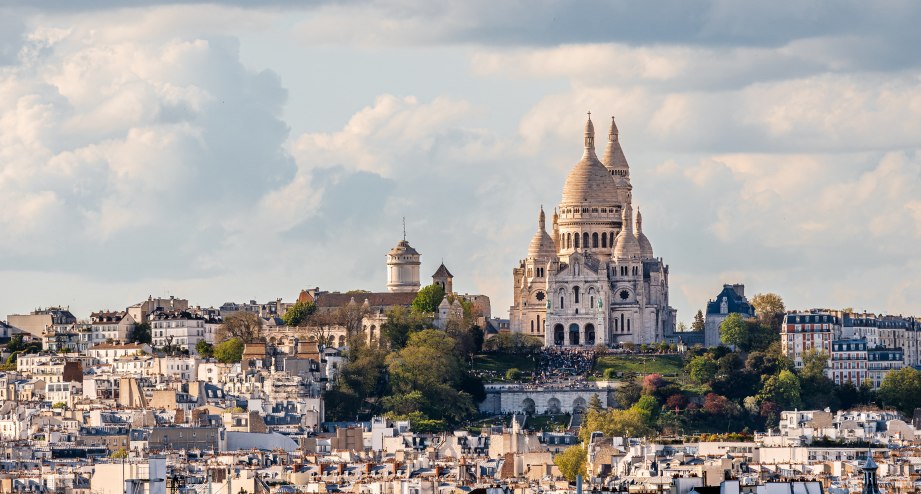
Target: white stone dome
{"type": "Point", "coordinates": [542, 245]}
{"type": "Point", "coordinates": [625, 244]}
{"type": "Point", "coordinates": [589, 182]}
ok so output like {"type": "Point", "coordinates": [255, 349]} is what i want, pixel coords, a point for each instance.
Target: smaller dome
{"type": "Point", "coordinates": [625, 244]}
{"type": "Point", "coordinates": [542, 246]}
{"type": "Point", "coordinates": [403, 248]}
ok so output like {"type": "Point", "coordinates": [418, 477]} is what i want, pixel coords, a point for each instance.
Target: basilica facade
{"type": "Point", "coordinates": [593, 279]}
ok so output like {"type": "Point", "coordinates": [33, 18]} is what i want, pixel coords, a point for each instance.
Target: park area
{"type": "Point", "coordinates": [666, 365]}
{"type": "Point", "coordinates": [495, 366]}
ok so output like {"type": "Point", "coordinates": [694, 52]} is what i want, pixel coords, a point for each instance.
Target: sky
{"type": "Point", "coordinates": [229, 151]}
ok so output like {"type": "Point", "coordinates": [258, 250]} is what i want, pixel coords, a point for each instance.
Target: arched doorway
{"type": "Point", "coordinates": [553, 406]}
{"type": "Point", "coordinates": [578, 405]}
{"type": "Point", "coordinates": [589, 334]}
{"type": "Point", "coordinates": [528, 406]}
{"type": "Point", "coordinates": [558, 334]}
{"type": "Point", "coordinates": [573, 334]}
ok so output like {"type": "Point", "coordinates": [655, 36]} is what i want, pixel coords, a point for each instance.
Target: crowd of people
{"type": "Point", "coordinates": [563, 363]}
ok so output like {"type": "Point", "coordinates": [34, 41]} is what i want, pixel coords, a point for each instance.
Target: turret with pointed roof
{"type": "Point", "coordinates": [444, 279]}
{"type": "Point", "coordinates": [869, 475]}
{"type": "Point", "coordinates": [614, 159]}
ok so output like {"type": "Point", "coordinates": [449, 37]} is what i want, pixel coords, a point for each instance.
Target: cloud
{"type": "Point", "coordinates": [124, 147]}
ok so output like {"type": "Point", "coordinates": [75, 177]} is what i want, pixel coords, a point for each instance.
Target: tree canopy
{"type": "Point", "coordinates": [902, 389]}
{"type": "Point", "coordinates": [428, 298]}
{"type": "Point", "coordinates": [297, 314]}
{"type": "Point", "coordinates": [571, 462]}
{"type": "Point", "coordinates": [229, 351]}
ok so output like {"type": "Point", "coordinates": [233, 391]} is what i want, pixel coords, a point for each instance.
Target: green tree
{"type": "Point", "coordinates": [627, 393]}
{"type": "Point", "coordinates": [229, 351]}
{"type": "Point", "coordinates": [512, 374]}
{"type": "Point", "coordinates": [141, 333]}
{"type": "Point", "coordinates": [901, 389]}
{"type": "Point", "coordinates": [297, 314]}
{"type": "Point", "coordinates": [204, 349]}
{"type": "Point", "coordinates": [698, 324]}
{"type": "Point", "coordinates": [428, 376]}
{"type": "Point", "coordinates": [428, 298]}
{"type": "Point", "coordinates": [400, 324]}
{"type": "Point", "coordinates": [702, 369]}
{"type": "Point", "coordinates": [733, 331]}
{"type": "Point", "coordinates": [119, 454]}
{"type": "Point", "coordinates": [514, 343]}
{"type": "Point", "coordinates": [782, 389]}
{"type": "Point", "coordinates": [571, 462]}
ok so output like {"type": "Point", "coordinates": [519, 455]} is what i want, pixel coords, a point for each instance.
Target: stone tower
{"type": "Point", "coordinates": [444, 279]}
{"type": "Point", "coordinates": [403, 267]}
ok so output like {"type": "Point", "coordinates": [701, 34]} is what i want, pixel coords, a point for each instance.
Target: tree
{"type": "Point", "coordinates": [141, 333]}
{"type": "Point", "coordinates": [652, 383]}
{"type": "Point", "coordinates": [677, 401]}
{"type": "Point", "coordinates": [732, 330]}
{"type": "Point", "coordinates": [627, 394]}
{"type": "Point", "coordinates": [428, 376]}
{"type": "Point", "coordinates": [229, 351]}
{"type": "Point", "coordinates": [698, 324]}
{"type": "Point", "coordinates": [297, 314]}
{"type": "Point", "coordinates": [246, 326]}
{"type": "Point", "coordinates": [428, 298]}
{"type": "Point", "coordinates": [702, 369]}
{"type": "Point", "coordinates": [571, 462]}
{"type": "Point", "coordinates": [594, 403]}
{"type": "Point", "coordinates": [512, 374]}
{"type": "Point", "coordinates": [205, 349]}
{"type": "Point", "coordinates": [901, 389]}
{"type": "Point", "coordinates": [119, 454]}
{"type": "Point", "coordinates": [515, 343]}
{"type": "Point", "coordinates": [783, 390]}
{"type": "Point", "coordinates": [715, 404]}
{"type": "Point", "coordinates": [769, 309]}
{"type": "Point", "coordinates": [400, 324]}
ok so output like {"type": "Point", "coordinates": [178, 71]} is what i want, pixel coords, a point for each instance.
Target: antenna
{"type": "Point", "coordinates": [404, 228]}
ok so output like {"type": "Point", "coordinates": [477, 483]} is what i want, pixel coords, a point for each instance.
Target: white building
{"type": "Point", "coordinates": [595, 280]}
{"type": "Point", "coordinates": [180, 329]}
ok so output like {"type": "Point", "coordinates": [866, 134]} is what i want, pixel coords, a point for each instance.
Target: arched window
{"type": "Point", "coordinates": [575, 293]}
{"type": "Point", "coordinates": [595, 240]}
{"type": "Point", "coordinates": [561, 301]}
{"type": "Point", "coordinates": [622, 328]}
{"type": "Point", "coordinates": [615, 325]}
{"type": "Point", "coordinates": [577, 240]}
{"type": "Point", "coordinates": [628, 325]}
{"type": "Point", "coordinates": [604, 240]}
{"type": "Point", "coordinates": [591, 301]}
{"type": "Point", "coordinates": [538, 324]}
{"type": "Point", "coordinates": [585, 240]}
{"type": "Point", "coordinates": [532, 325]}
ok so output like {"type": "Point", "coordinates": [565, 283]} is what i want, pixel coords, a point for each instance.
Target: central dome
{"type": "Point", "coordinates": [590, 182]}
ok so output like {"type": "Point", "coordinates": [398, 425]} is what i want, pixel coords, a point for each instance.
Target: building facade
{"type": "Point", "coordinates": [594, 279]}
{"type": "Point", "coordinates": [804, 331]}
{"type": "Point", "coordinates": [731, 300]}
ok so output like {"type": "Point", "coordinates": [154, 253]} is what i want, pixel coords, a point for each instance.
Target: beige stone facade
{"type": "Point", "coordinates": [595, 280]}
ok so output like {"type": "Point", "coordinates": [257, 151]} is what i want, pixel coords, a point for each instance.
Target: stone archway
{"type": "Point", "coordinates": [553, 406]}
{"type": "Point", "coordinates": [578, 405]}
{"type": "Point", "coordinates": [558, 334]}
{"type": "Point", "coordinates": [589, 334]}
{"type": "Point", "coordinates": [528, 406]}
{"type": "Point", "coordinates": [573, 334]}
